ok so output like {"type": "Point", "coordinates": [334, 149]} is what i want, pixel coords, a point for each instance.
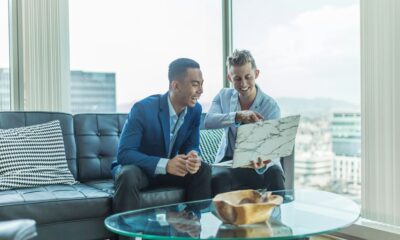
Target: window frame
{"type": "Point", "coordinates": [16, 63]}
{"type": "Point", "coordinates": [17, 83]}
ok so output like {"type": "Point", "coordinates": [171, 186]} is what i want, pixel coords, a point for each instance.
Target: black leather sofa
{"type": "Point", "coordinates": [78, 211]}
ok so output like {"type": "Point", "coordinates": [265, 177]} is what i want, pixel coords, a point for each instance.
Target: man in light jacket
{"type": "Point", "coordinates": [246, 103]}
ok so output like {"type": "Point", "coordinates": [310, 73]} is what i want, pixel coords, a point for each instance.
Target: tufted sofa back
{"type": "Point", "coordinates": [97, 137]}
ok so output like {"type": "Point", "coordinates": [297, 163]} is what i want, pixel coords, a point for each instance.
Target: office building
{"type": "Point", "coordinates": [346, 145]}
{"type": "Point", "coordinates": [92, 92]}
{"type": "Point", "coordinates": [313, 155]}
{"type": "Point", "coordinates": [346, 134]}
{"type": "Point", "coordinates": [5, 89]}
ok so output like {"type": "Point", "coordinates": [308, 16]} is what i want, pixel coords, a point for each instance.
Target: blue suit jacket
{"type": "Point", "coordinates": [145, 137]}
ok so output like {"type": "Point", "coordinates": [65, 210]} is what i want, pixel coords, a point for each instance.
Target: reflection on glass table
{"type": "Point", "coordinates": [303, 213]}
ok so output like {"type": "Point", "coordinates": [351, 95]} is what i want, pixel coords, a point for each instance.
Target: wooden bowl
{"type": "Point", "coordinates": [245, 206]}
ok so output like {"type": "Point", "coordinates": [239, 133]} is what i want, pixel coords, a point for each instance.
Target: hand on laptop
{"type": "Point", "coordinates": [248, 116]}
{"type": "Point", "coordinates": [258, 164]}
{"type": "Point", "coordinates": [193, 162]}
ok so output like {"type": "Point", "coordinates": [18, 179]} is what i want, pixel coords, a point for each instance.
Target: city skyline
{"type": "Point", "coordinates": [309, 107]}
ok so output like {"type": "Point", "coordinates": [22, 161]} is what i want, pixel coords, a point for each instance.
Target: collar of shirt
{"type": "Point", "coordinates": [257, 100]}
{"type": "Point", "coordinates": [173, 117]}
{"type": "Point", "coordinates": [254, 106]}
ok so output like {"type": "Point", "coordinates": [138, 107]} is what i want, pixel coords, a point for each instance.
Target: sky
{"type": "Point", "coordinates": [138, 40]}
{"type": "Point", "coordinates": [307, 49]}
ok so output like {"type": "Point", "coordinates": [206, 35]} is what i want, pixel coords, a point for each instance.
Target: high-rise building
{"type": "Point", "coordinates": [346, 145]}
{"type": "Point", "coordinates": [313, 153]}
{"type": "Point", "coordinates": [346, 134]}
{"type": "Point", "coordinates": [92, 92]}
{"type": "Point", "coordinates": [313, 169]}
{"type": "Point", "coordinates": [5, 89]}
{"type": "Point", "coordinates": [346, 172]}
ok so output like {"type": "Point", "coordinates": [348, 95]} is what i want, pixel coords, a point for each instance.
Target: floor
{"type": "Point", "coordinates": [326, 237]}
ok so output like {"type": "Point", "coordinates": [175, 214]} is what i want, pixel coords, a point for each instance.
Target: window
{"type": "Point", "coordinates": [308, 53]}
{"type": "Point", "coordinates": [120, 54]}
{"type": "Point", "coordinates": [5, 89]}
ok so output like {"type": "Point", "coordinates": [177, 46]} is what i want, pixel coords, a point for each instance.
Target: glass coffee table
{"type": "Point", "coordinates": [303, 213]}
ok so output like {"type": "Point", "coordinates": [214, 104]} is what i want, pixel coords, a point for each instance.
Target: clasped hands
{"type": "Point", "coordinates": [183, 164]}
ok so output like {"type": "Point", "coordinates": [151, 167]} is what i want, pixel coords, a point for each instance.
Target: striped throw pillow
{"type": "Point", "coordinates": [33, 156]}
{"type": "Point", "coordinates": [209, 143]}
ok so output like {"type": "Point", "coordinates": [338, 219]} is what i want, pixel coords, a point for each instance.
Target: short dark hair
{"type": "Point", "coordinates": [177, 68]}
{"type": "Point", "coordinates": [240, 58]}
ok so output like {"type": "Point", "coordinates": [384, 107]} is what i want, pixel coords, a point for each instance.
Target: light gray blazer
{"type": "Point", "coordinates": [223, 110]}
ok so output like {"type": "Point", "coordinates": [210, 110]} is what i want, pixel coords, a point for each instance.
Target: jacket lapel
{"type": "Point", "coordinates": [163, 116]}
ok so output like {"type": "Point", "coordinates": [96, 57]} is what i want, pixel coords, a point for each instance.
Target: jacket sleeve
{"type": "Point", "coordinates": [216, 117]}
{"type": "Point", "coordinates": [130, 141]}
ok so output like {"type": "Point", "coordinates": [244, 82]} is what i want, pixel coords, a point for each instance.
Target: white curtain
{"type": "Point", "coordinates": [44, 51]}
{"type": "Point", "coordinates": [380, 93]}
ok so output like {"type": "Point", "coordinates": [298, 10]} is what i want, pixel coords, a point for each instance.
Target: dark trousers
{"type": "Point", "coordinates": [129, 180]}
{"type": "Point", "coordinates": [228, 179]}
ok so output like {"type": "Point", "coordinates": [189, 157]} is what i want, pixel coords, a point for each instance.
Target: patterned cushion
{"type": "Point", "coordinates": [209, 143]}
{"type": "Point", "coordinates": [33, 156]}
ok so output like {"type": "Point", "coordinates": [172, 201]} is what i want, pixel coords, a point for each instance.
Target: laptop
{"type": "Point", "coordinates": [267, 139]}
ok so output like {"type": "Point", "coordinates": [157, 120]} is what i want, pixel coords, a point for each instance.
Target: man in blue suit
{"type": "Point", "coordinates": [159, 144]}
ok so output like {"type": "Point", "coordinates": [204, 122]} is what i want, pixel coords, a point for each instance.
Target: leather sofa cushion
{"type": "Point", "coordinates": [55, 203]}
{"type": "Point", "coordinates": [150, 197]}
{"type": "Point", "coordinates": [161, 196]}
{"type": "Point", "coordinates": [97, 137]}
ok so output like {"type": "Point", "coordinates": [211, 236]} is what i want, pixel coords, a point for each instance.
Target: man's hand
{"type": "Point", "coordinates": [258, 164]}
{"type": "Point", "coordinates": [177, 166]}
{"type": "Point", "coordinates": [193, 162]}
{"type": "Point", "coordinates": [248, 116]}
